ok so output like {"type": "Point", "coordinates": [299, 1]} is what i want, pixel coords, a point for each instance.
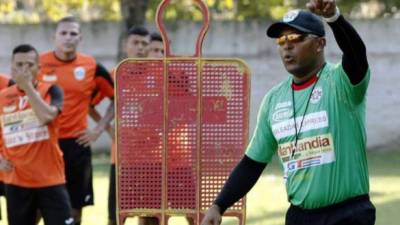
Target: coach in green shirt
{"type": "Point", "coordinates": [315, 122]}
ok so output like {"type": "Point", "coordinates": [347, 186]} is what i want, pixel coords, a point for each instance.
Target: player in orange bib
{"type": "Point", "coordinates": [29, 116]}
{"type": "Point", "coordinates": [81, 77]}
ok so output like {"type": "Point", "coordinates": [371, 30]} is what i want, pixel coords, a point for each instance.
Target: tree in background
{"type": "Point", "coordinates": [137, 12]}
{"type": "Point", "coordinates": [38, 11]}
{"type": "Point", "coordinates": [133, 12]}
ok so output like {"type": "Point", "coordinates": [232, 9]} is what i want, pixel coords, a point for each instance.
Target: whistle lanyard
{"type": "Point", "coordinates": [297, 133]}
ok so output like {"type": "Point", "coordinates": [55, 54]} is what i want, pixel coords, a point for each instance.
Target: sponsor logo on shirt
{"type": "Point", "coordinates": [49, 78]}
{"type": "Point", "coordinates": [312, 151]}
{"type": "Point", "coordinates": [283, 111]}
{"type": "Point", "coordinates": [79, 73]}
{"type": "Point", "coordinates": [21, 128]}
{"type": "Point", "coordinates": [282, 114]}
{"type": "Point", "coordinates": [312, 121]}
{"type": "Point", "coordinates": [316, 95]}
{"type": "Point", "coordinates": [283, 105]}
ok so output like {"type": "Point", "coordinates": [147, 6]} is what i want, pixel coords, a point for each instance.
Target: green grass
{"type": "Point", "coordinates": [267, 204]}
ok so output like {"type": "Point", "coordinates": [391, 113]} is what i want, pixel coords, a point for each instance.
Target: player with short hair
{"type": "Point", "coordinates": [155, 49]}
{"type": "Point", "coordinates": [81, 77]}
{"type": "Point", "coordinates": [29, 119]}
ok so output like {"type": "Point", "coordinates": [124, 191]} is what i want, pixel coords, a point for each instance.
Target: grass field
{"type": "Point", "coordinates": [267, 203]}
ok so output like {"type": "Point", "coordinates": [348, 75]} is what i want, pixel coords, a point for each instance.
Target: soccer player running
{"type": "Point", "coordinates": [29, 118]}
{"type": "Point", "coordinates": [315, 121]}
{"type": "Point", "coordinates": [80, 76]}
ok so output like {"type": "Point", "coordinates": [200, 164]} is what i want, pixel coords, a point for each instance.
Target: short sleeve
{"type": "Point", "coordinates": [57, 97]}
{"type": "Point", "coordinates": [263, 144]}
{"type": "Point", "coordinates": [354, 94]}
{"type": "Point", "coordinates": [104, 82]}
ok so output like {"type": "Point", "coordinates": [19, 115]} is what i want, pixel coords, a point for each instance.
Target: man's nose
{"type": "Point", "coordinates": [25, 66]}
{"type": "Point", "coordinates": [287, 45]}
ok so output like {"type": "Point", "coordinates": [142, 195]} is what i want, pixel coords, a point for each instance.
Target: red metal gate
{"type": "Point", "coordinates": [182, 125]}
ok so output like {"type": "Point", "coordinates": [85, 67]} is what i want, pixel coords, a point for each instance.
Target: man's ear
{"type": "Point", "coordinates": [321, 44]}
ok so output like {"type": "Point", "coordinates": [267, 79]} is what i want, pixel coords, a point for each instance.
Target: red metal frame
{"type": "Point", "coordinates": [160, 24]}
{"type": "Point", "coordinates": [182, 125]}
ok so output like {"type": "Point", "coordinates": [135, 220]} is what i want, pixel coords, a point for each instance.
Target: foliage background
{"type": "Point", "coordinates": [39, 11]}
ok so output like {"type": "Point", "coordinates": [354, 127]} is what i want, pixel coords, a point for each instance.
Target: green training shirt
{"type": "Point", "coordinates": [329, 164]}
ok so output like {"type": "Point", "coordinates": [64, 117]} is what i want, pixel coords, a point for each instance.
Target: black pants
{"type": "Point", "coordinates": [354, 211]}
{"type": "Point", "coordinates": [112, 210]}
{"type": "Point", "coordinates": [53, 203]}
{"type": "Point", "coordinates": [78, 172]}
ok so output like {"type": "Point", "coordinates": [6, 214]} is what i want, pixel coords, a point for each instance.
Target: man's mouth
{"type": "Point", "coordinates": [288, 59]}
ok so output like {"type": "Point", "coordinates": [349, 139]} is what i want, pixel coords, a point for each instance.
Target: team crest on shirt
{"type": "Point", "coordinates": [291, 15]}
{"type": "Point", "coordinates": [316, 95]}
{"type": "Point", "coordinates": [9, 109]}
{"type": "Point", "coordinates": [79, 73]}
{"type": "Point", "coordinates": [49, 78]}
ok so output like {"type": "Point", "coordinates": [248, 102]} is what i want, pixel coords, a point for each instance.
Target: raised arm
{"type": "Point", "coordinates": [354, 59]}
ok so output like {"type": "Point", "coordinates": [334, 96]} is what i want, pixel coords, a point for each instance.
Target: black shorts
{"type": "Point", "coordinates": [78, 172]}
{"type": "Point", "coordinates": [112, 210]}
{"type": "Point", "coordinates": [2, 189]}
{"type": "Point", "coordinates": [53, 203]}
{"type": "Point", "coordinates": [2, 193]}
{"type": "Point", "coordinates": [354, 211]}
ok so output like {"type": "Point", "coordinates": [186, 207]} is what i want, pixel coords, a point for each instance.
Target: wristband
{"type": "Point", "coordinates": [334, 17]}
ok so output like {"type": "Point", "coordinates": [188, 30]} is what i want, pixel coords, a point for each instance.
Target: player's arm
{"type": "Point", "coordinates": [44, 111]}
{"type": "Point", "coordinates": [105, 121]}
{"type": "Point", "coordinates": [354, 59]}
{"type": "Point", "coordinates": [105, 86]}
{"type": "Point", "coordinates": [95, 115]}
{"type": "Point", "coordinates": [259, 152]}
{"type": "Point", "coordinates": [240, 182]}
{"type": "Point", "coordinates": [5, 165]}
